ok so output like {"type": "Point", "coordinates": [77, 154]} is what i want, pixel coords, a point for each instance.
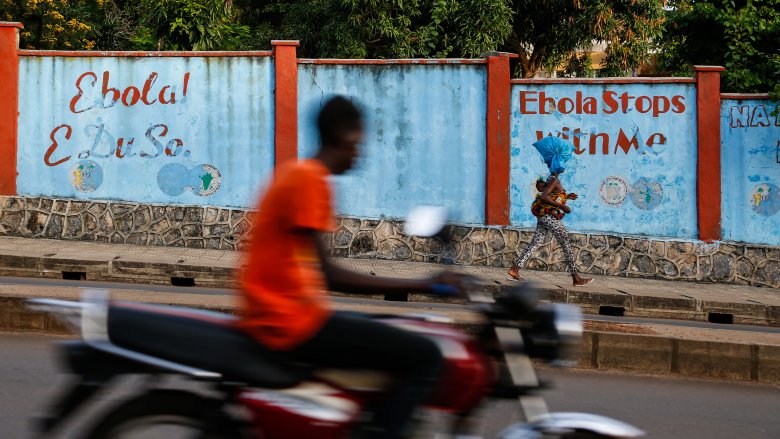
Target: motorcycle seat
{"type": "Point", "coordinates": [202, 339]}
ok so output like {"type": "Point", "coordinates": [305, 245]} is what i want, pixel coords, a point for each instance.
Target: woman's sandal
{"type": "Point", "coordinates": [515, 277]}
{"type": "Point", "coordinates": [587, 281]}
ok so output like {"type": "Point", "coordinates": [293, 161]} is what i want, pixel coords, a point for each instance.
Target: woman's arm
{"type": "Point", "coordinates": [545, 196]}
{"type": "Point", "coordinates": [550, 188]}
{"type": "Point", "coordinates": [563, 207]}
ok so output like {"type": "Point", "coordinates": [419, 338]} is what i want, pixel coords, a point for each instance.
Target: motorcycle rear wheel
{"type": "Point", "coordinates": [162, 411]}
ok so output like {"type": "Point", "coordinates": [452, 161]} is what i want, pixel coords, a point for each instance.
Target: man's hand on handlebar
{"type": "Point", "coordinates": [448, 283]}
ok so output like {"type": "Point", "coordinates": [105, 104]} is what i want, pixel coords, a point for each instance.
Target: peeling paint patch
{"type": "Point", "coordinates": [426, 142]}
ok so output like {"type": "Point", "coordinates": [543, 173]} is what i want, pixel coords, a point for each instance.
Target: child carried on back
{"type": "Point", "coordinates": [541, 206]}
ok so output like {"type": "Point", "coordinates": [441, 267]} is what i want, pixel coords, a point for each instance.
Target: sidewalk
{"type": "Point", "coordinates": [216, 268]}
{"type": "Point", "coordinates": [654, 348]}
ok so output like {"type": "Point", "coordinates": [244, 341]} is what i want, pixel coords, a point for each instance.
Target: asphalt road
{"type": "Point", "coordinates": [664, 407]}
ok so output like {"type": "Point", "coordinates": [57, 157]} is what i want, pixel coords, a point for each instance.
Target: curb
{"type": "Point", "coordinates": [594, 302]}
{"type": "Point", "coordinates": [672, 356]}
{"type": "Point", "coordinates": [637, 353]}
{"type": "Point", "coordinates": [179, 272]}
{"type": "Point", "coordinates": [117, 270]}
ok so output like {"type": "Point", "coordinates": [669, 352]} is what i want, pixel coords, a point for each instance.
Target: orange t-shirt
{"type": "Point", "coordinates": [283, 286]}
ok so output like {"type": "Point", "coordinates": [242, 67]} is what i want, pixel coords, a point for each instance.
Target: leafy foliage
{"type": "Point", "coordinates": [193, 24]}
{"type": "Point", "coordinates": [742, 36]}
{"type": "Point", "coordinates": [267, 21]}
{"type": "Point", "coordinates": [53, 24]}
{"type": "Point", "coordinates": [629, 29]}
{"type": "Point", "coordinates": [77, 24]}
{"type": "Point", "coordinates": [546, 33]}
{"type": "Point", "coordinates": [398, 28]}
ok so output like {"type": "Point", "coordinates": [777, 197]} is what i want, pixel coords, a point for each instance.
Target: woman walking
{"type": "Point", "coordinates": [549, 208]}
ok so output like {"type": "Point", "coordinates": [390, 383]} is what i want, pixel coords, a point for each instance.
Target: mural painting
{"type": "Point", "coordinates": [146, 130]}
{"type": "Point", "coordinates": [750, 156]}
{"type": "Point", "coordinates": [635, 153]}
{"type": "Point", "coordinates": [90, 95]}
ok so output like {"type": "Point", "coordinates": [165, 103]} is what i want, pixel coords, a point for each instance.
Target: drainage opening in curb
{"type": "Point", "coordinates": [615, 311]}
{"type": "Point", "coordinates": [183, 281]}
{"type": "Point", "coordinates": [74, 275]}
{"type": "Point", "coordinates": [397, 297]}
{"type": "Point", "coordinates": [719, 317]}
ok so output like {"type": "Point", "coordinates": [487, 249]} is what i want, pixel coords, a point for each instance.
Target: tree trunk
{"type": "Point", "coordinates": [529, 63]}
{"type": "Point", "coordinates": [522, 62]}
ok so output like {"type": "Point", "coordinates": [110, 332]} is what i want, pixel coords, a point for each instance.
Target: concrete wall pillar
{"type": "Point", "coordinates": [285, 100]}
{"type": "Point", "coordinates": [708, 185]}
{"type": "Point", "coordinates": [499, 115]}
{"type": "Point", "coordinates": [9, 109]}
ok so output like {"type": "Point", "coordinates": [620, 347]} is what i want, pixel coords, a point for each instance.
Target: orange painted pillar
{"type": "Point", "coordinates": [499, 99]}
{"type": "Point", "coordinates": [708, 188]}
{"type": "Point", "coordinates": [285, 100]}
{"type": "Point", "coordinates": [9, 108]}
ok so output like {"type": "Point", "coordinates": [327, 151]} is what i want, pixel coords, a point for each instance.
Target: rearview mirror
{"type": "Point", "coordinates": [426, 221]}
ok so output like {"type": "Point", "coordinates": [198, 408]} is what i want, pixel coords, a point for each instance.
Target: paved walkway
{"type": "Point", "coordinates": [633, 296]}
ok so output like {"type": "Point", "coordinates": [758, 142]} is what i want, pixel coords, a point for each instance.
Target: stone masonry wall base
{"type": "Point", "coordinates": [227, 229]}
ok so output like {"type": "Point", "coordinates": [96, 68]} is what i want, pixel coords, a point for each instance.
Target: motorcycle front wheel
{"type": "Point", "coordinates": [166, 414]}
{"type": "Point", "coordinates": [582, 434]}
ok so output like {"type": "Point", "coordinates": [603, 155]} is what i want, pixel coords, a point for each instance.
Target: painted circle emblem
{"type": "Point", "coordinates": [765, 199]}
{"type": "Point", "coordinates": [208, 178]}
{"type": "Point", "coordinates": [174, 179]}
{"type": "Point", "coordinates": [86, 176]}
{"type": "Point", "coordinates": [647, 194]}
{"type": "Point", "coordinates": [613, 190]}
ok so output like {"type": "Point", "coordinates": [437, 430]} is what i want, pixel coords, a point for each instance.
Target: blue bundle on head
{"type": "Point", "coordinates": [555, 153]}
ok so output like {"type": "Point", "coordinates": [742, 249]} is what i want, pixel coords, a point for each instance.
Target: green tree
{"type": "Point", "coordinates": [398, 28]}
{"type": "Point", "coordinates": [193, 24]}
{"type": "Point", "coordinates": [76, 24]}
{"type": "Point", "coordinates": [545, 33]}
{"type": "Point", "coordinates": [53, 24]}
{"type": "Point", "coordinates": [743, 36]}
{"type": "Point", "coordinates": [266, 19]}
{"type": "Point", "coordinates": [119, 27]}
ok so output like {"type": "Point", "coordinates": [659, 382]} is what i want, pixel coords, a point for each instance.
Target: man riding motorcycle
{"type": "Point", "coordinates": [288, 273]}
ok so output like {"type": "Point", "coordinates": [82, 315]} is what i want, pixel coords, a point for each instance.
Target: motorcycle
{"type": "Point", "coordinates": [254, 393]}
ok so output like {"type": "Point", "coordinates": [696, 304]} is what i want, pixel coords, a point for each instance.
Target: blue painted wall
{"type": "Point", "coordinates": [223, 123]}
{"type": "Point", "coordinates": [425, 139]}
{"type": "Point", "coordinates": [750, 156]}
{"type": "Point", "coordinates": [199, 130]}
{"type": "Point", "coordinates": [647, 187]}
